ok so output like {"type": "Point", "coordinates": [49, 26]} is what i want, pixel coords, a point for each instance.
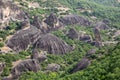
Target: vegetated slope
{"type": "Point", "coordinates": [105, 63]}
{"type": "Point", "coordinates": [113, 3]}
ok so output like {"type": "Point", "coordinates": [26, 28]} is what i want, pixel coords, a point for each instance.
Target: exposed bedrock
{"type": "Point", "coordinates": [52, 45]}
{"type": "Point", "coordinates": [10, 12]}
{"type": "Point", "coordinates": [23, 39]}
{"type": "Point", "coordinates": [74, 19]}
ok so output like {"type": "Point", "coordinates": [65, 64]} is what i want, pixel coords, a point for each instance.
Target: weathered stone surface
{"type": "Point", "coordinates": [102, 26]}
{"type": "Point", "coordinates": [86, 38]}
{"type": "Point", "coordinates": [53, 67]}
{"type": "Point", "coordinates": [50, 24]}
{"type": "Point", "coordinates": [51, 20]}
{"type": "Point", "coordinates": [38, 56]}
{"type": "Point", "coordinates": [74, 19]}
{"type": "Point", "coordinates": [23, 38]}
{"type": "Point", "coordinates": [72, 34]}
{"type": "Point", "coordinates": [52, 44]}
{"type": "Point", "coordinates": [24, 66]}
{"type": "Point", "coordinates": [37, 23]}
{"type": "Point", "coordinates": [84, 63]}
{"type": "Point", "coordinates": [98, 40]}
{"type": "Point", "coordinates": [10, 12]}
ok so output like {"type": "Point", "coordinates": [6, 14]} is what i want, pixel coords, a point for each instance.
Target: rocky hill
{"type": "Point", "coordinates": [59, 39]}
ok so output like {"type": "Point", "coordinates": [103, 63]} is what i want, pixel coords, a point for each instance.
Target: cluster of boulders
{"type": "Point", "coordinates": [84, 62]}
{"type": "Point", "coordinates": [72, 33]}
{"type": "Point", "coordinates": [10, 12]}
{"type": "Point", "coordinates": [32, 64]}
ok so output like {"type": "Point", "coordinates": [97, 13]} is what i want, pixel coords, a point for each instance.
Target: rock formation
{"type": "Point", "coordinates": [74, 19]}
{"type": "Point", "coordinates": [23, 39]}
{"type": "Point", "coordinates": [24, 66]}
{"type": "Point", "coordinates": [52, 44]}
{"type": "Point", "coordinates": [10, 12]}
{"type": "Point", "coordinates": [53, 22]}
{"type": "Point", "coordinates": [102, 26]}
{"type": "Point", "coordinates": [72, 34]}
{"type": "Point", "coordinates": [53, 67]}
{"type": "Point", "coordinates": [98, 40]}
{"type": "Point", "coordinates": [84, 63]}
{"type": "Point", "coordinates": [86, 38]}
{"type": "Point", "coordinates": [37, 23]}
{"type": "Point", "coordinates": [36, 55]}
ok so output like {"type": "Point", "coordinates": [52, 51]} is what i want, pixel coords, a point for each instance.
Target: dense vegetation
{"type": "Point", "coordinates": [105, 62]}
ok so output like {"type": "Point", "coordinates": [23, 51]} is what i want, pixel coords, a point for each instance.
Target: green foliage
{"type": "Point", "coordinates": [1, 44]}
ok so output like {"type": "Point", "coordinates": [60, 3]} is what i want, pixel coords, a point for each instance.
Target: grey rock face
{"type": "Point", "coordinates": [10, 12]}
{"type": "Point", "coordinates": [36, 55]}
{"type": "Point", "coordinates": [52, 44]}
{"type": "Point", "coordinates": [86, 38]}
{"type": "Point", "coordinates": [51, 20]}
{"type": "Point", "coordinates": [102, 26]}
{"type": "Point", "coordinates": [84, 63]}
{"type": "Point", "coordinates": [53, 67]}
{"type": "Point", "coordinates": [24, 66]}
{"type": "Point", "coordinates": [98, 40]}
{"type": "Point", "coordinates": [72, 34]}
{"type": "Point", "coordinates": [74, 19]}
{"type": "Point", "coordinates": [23, 38]}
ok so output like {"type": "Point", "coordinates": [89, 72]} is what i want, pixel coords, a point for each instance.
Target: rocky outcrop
{"type": "Point", "coordinates": [24, 66]}
{"type": "Point", "coordinates": [38, 23]}
{"type": "Point", "coordinates": [98, 40]}
{"type": "Point", "coordinates": [72, 34]}
{"type": "Point", "coordinates": [53, 67]}
{"type": "Point", "coordinates": [74, 19]}
{"type": "Point", "coordinates": [10, 12]}
{"type": "Point", "coordinates": [84, 63]}
{"type": "Point", "coordinates": [52, 45]}
{"type": "Point", "coordinates": [102, 26]}
{"type": "Point", "coordinates": [38, 56]}
{"type": "Point", "coordinates": [86, 38]}
{"type": "Point", "coordinates": [23, 39]}
{"type": "Point", "coordinates": [53, 22]}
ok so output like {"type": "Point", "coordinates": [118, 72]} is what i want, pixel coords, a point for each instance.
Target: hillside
{"type": "Point", "coordinates": [59, 39]}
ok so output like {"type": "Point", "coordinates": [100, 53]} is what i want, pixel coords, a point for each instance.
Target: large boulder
{"type": "Point", "coordinates": [23, 39]}
{"type": "Point", "coordinates": [10, 12]}
{"type": "Point", "coordinates": [38, 56]}
{"type": "Point", "coordinates": [72, 34]}
{"type": "Point", "coordinates": [53, 23]}
{"type": "Point", "coordinates": [84, 63]}
{"type": "Point", "coordinates": [98, 40]}
{"type": "Point", "coordinates": [53, 67]}
{"type": "Point", "coordinates": [52, 45]}
{"type": "Point", "coordinates": [102, 26]}
{"type": "Point", "coordinates": [86, 38]}
{"type": "Point", "coordinates": [51, 20]}
{"type": "Point", "coordinates": [74, 19]}
{"type": "Point", "coordinates": [24, 66]}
